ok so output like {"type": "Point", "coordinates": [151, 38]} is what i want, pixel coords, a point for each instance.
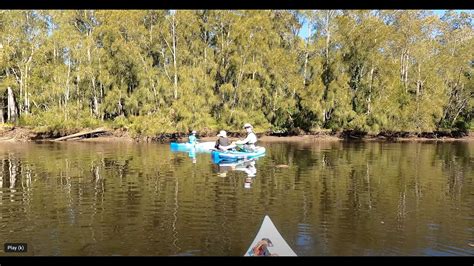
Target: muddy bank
{"type": "Point", "coordinates": [24, 134]}
{"type": "Point", "coordinates": [16, 134]}
{"type": "Point", "coordinates": [350, 136]}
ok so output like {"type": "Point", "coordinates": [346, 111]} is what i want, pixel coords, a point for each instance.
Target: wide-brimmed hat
{"type": "Point", "coordinates": [194, 132]}
{"type": "Point", "coordinates": [248, 125]}
{"type": "Point", "coordinates": [222, 133]}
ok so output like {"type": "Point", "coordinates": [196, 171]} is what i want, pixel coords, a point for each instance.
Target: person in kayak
{"type": "Point", "coordinates": [192, 138]}
{"type": "Point", "coordinates": [223, 141]}
{"type": "Point", "coordinates": [261, 249]}
{"type": "Point", "coordinates": [247, 144]}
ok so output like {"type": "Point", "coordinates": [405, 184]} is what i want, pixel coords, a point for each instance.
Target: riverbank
{"type": "Point", "coordinates": [24, 134]}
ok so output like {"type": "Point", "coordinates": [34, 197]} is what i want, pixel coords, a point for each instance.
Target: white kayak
{"type": "Point", "coordinates": [268, 231]}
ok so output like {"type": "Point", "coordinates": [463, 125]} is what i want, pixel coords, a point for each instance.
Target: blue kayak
{"type": "Point", "coordinates": [186, 146]}
{"type": "Point", "coordinates": [236, 155]}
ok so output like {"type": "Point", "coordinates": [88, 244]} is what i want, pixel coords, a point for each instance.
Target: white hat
{"type": "Point", "coordinates": [194, 132]}
{"type": "Point", "coordinates": [248, 125]}
{"type": "Point", "coordinates": [222, 133]}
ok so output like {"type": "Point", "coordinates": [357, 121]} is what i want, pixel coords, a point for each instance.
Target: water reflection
{"type": "Point", "coordinates": [326, 198]}
{"type": "Point", "coordinates": [190, 149]}
{"type": "Point", "coordinates": [246, 166]}
{"type": "Point", "coordinates": [192, 155]}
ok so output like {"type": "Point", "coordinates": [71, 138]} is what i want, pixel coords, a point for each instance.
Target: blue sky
{"type": "Point", "coordinates": [304, 30]}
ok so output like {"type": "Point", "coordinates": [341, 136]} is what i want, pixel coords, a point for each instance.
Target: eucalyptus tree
{"type": "Point", "coordinates": [23, 33]}
{"type": "Point", "coordinates": [456, 53]}
{"type": "Point", "coordinates": [165, 71]}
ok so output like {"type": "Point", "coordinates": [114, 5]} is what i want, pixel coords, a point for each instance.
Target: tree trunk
{"type": "Point", "coordinates": [305, 66]}
{"type": "Point", "coordinates": [66, 93]}
{"type": "Point", "coordinates": [96, 107]}
{"type": "Point", "coordinates": [406, 70]}
{"type": "Point", "coordinates": [26, 107]}
{"type": "Point", "coordinates": [27, 99]}
{"type": "Point", "coordinates": [306, 55]}
{"type": "Point", "coordinates": [21, 89]}
{"type": "Point", "coordinates": [12, 112]}
{"type": "Point", "coordinates": [369, 99]}
{"type": "Point", "coordinates": [328, 36]}
{"type": "Point", "coordinates": [326, 70]}
{"type": "Point", "coordinates": [418, 83]}
{"type": "Point", "coordinates": [1, 114]}
{"type": "Point", "coordinates": [253, 61]}
{"type": "Point", "coordinates": [173, 26]}
{"type": "Point", "coordinates": [78, 78]}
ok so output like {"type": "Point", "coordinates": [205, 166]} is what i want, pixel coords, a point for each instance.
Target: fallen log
{"type": "Point", "coordinates": [81, 134]}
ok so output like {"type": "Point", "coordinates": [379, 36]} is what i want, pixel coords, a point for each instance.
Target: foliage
{"type": "Point", "coordinates": [158, 72]}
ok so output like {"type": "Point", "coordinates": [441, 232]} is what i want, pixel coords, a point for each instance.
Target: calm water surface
{"type": "Point", "coordinates": [326, 198]}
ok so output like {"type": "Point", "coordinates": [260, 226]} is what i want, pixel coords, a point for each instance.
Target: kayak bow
{"type": "Point", "coordinates": [268, 233]}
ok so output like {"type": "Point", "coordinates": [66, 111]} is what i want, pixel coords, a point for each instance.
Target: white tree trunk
{"type": "Point", "coordinates": [66, 93]}
{"type": "Point", "coordinates": [12, 111]}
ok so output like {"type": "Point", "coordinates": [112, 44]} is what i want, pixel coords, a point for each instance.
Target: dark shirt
{"type": "Point", "coordinates": [222, 142]}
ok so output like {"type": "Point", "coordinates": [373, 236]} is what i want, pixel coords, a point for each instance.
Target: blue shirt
{"type": "Point", "coordinates": [192, 139]}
